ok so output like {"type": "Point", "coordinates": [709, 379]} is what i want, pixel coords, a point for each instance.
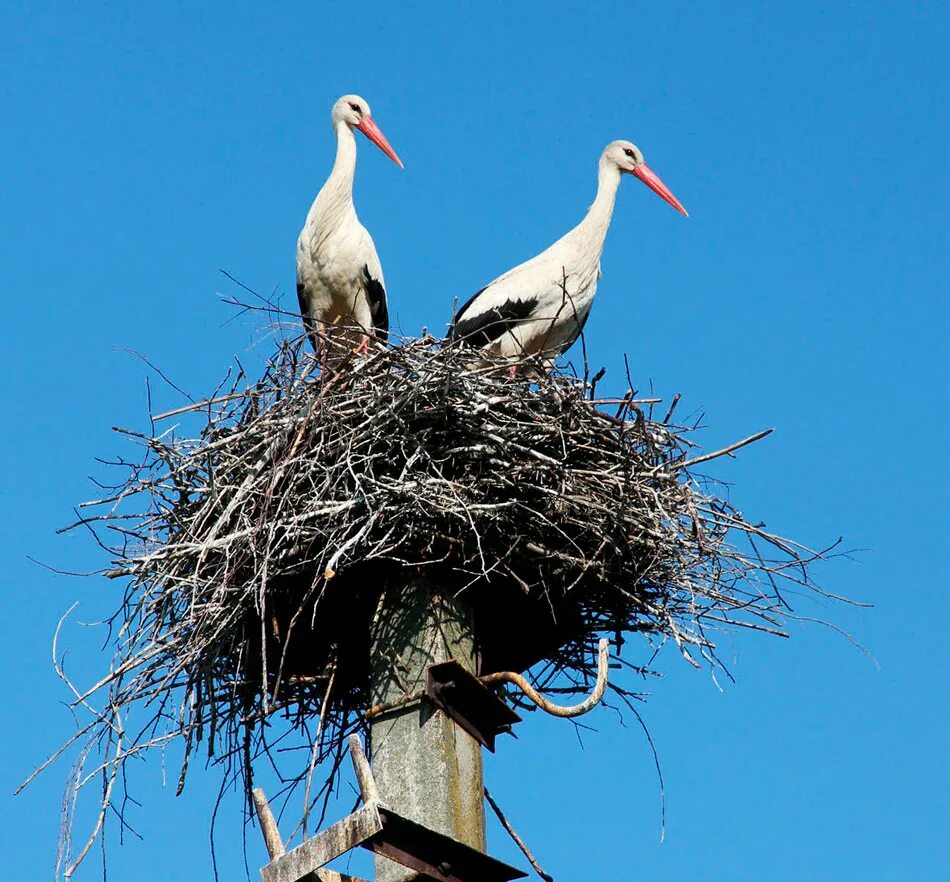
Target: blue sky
{"type": "Point", "coordinates": [141, 150]}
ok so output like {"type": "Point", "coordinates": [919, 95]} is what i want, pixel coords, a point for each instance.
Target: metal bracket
{"type": "Point", "coordinates": [462, 697]}
{"type": "Point", "coordinates": [435, 855]}
{"type": "Point", "coordinates": [379, 829]}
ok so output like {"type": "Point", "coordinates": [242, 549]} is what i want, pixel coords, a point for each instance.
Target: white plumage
{"type": "Point", "coordinates": [340, 284]}
{"type": "Point", "coordinates": [540, 306]}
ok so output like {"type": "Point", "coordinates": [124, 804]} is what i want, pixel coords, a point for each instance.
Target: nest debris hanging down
{"type": "Point", "coordinates": [256, 550]}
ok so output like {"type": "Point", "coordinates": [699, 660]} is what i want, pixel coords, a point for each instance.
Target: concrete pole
{"type": "Point", "coordinates": [427, 768]}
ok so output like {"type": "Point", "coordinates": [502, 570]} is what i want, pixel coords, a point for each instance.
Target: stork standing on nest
{"type": "Point", "coordinates": [339, 278]}
{"type": "Point", "coordinates": [540, 307]}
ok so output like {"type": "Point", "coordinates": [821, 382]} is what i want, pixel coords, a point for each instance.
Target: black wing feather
{"type": "Point", "coordinates": [378, 308]}
{"type": "Point", "coordinates": [488, 326]}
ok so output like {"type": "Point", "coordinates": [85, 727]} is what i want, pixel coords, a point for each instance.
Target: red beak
{"type": "Point", "coordinates": [371, 130]}
{"type": "Point", "coordinates": [652, 180]}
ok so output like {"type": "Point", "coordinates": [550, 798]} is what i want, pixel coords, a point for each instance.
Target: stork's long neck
{"type": "Point", "coordinates": [344, 168]}
{"type": "Point", "coordinates": [594, 226]}
{"type": "Point", "coordinates": [336, 196]}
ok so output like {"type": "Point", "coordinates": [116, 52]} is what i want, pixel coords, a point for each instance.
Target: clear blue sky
{"type": "Point", "coordinates": [141, 150]}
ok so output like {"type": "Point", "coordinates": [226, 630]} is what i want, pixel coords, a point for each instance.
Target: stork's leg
{"type": "Point", "coordinates": [364, 345]}
{"type": "Point", "coordinates": [513, 371]}
{"type": "Point", "coordinates": [323, 357]}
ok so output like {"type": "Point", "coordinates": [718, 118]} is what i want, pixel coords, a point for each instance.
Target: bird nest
{"type": "Point", "coordinates": [256, 549]}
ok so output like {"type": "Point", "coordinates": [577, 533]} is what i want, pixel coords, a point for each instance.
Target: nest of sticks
{"type": "Point", "coordinates": [256, 545]}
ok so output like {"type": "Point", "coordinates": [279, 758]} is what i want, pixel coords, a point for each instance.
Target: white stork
{"type": "Point", "coordinates": [340, 284]}
{"type": "Point", "coordinates": [540, 306]}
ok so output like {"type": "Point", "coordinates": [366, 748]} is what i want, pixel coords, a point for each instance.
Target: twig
{"type": "Point", "coordinates": [516, 838]}
{"type": "Point", "coordinates": [706, 457]}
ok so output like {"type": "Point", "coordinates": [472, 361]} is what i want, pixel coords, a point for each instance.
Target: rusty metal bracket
{"type": "Point", "coordinates": [435, 855]}
{"type": "Point", "coordinates": [462, 697]}
{"type": "Point", "coordinates": [379, 829]}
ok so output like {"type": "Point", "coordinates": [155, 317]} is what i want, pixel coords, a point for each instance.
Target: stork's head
{"type": "Point", "coordinates": [353, 111]}
{"type": "Point", "coordinates": [629, 160]}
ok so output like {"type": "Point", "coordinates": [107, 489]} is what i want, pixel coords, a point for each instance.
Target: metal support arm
{"type": "Point", "coordinates": [557, 710]}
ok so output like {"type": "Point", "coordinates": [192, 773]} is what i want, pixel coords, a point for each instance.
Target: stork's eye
{"type": "Point", "coordinates": [355, 107]}
{"type": "Point", "coordinates": [629, 153]}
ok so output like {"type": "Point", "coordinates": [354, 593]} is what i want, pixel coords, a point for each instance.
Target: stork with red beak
{"type": "Point", "coordinates": [540, 307]}
{"type": "Point", "coordinates": [340, 283]}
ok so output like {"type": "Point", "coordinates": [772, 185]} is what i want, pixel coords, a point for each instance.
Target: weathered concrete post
{"type": "Point", "coordinates": [427, 768]}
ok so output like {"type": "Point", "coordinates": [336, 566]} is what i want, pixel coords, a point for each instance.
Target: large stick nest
{"type": "Point", "coordinates": [257, 551]}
